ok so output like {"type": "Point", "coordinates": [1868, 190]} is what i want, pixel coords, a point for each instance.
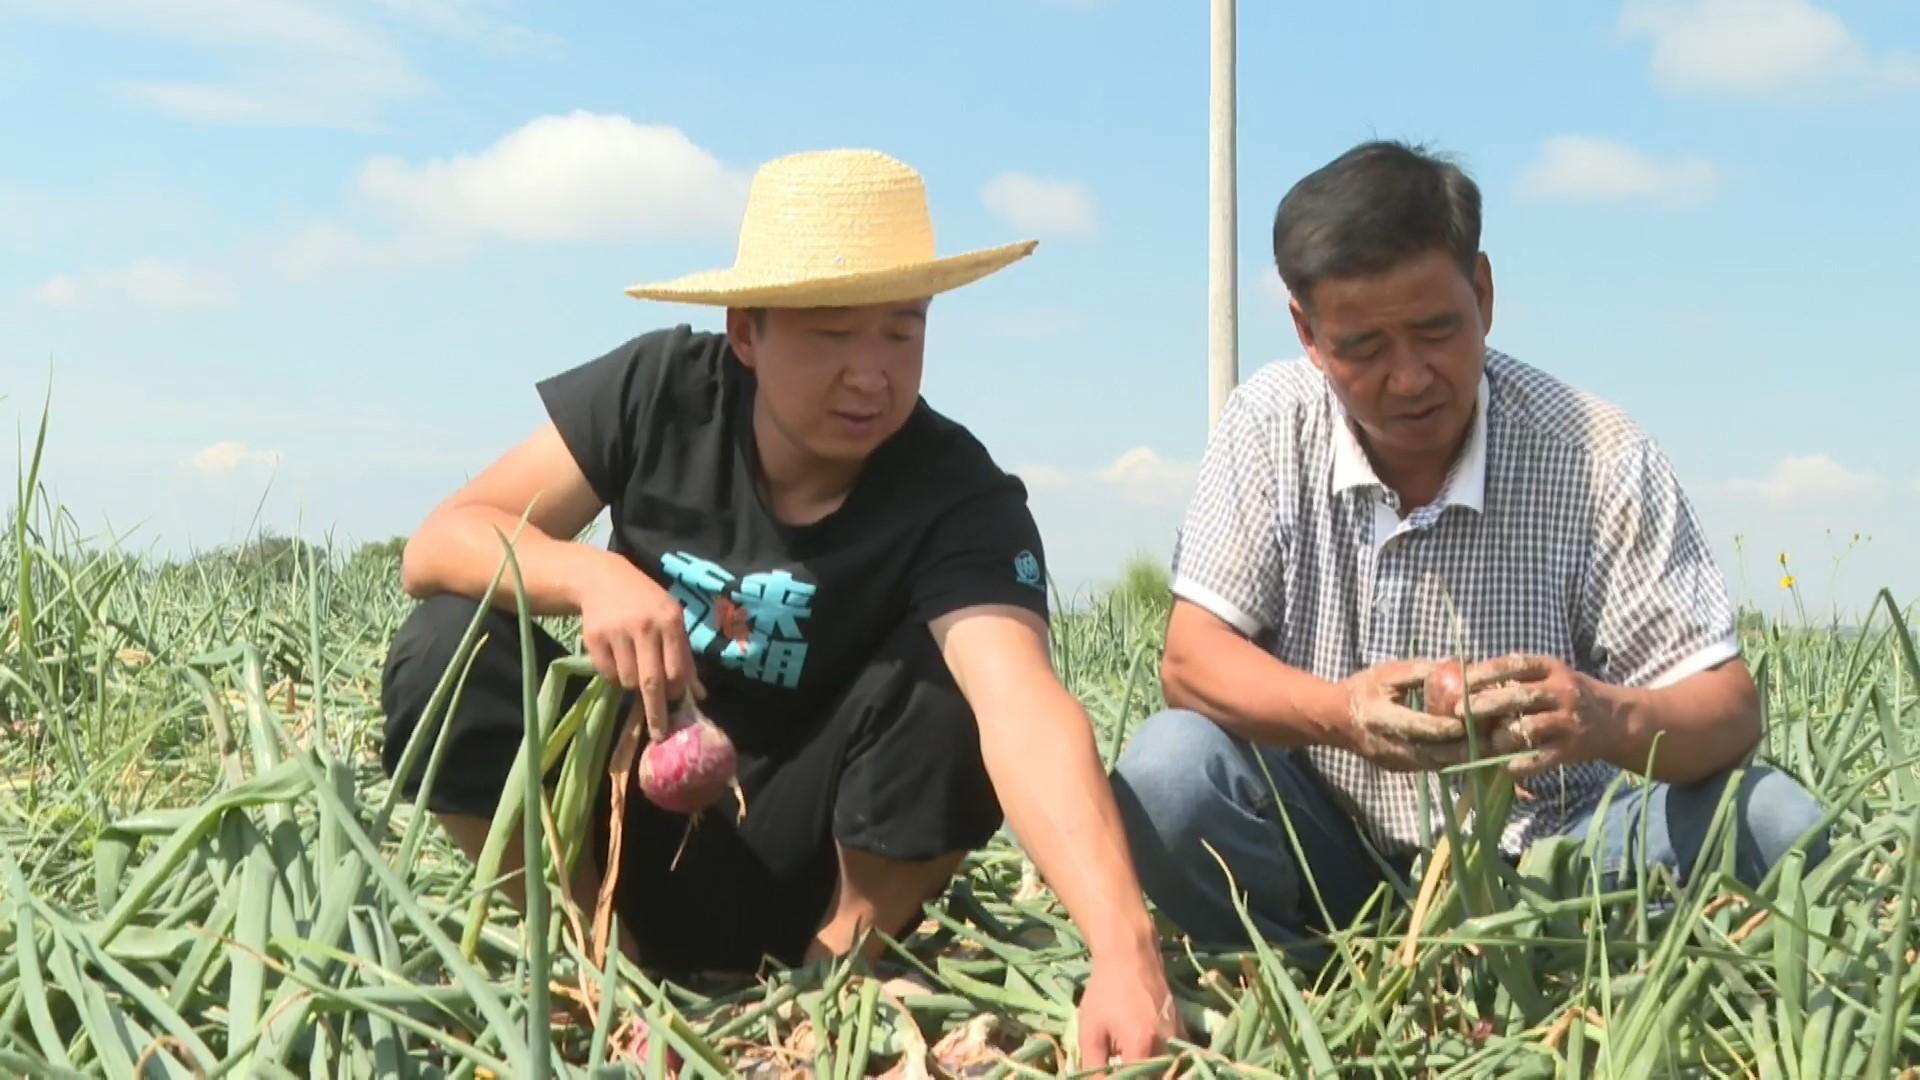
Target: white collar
{"type": "Point", "coordinates": [1468, 484]}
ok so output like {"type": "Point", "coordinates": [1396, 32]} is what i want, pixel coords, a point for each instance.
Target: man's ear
{"type": "Point", "coordinates": [740, 334]}
{"type": "Point", "coordinates": [1303, 327]}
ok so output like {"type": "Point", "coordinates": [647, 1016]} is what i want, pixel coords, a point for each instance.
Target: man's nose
{"type": "Point", "coordinates": [867, 376]}
{"type": "Point", "coordinates": [1411, 376]}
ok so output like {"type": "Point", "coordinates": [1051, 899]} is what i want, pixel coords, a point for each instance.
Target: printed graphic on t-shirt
{"type": "Point", "coordinates": [759, 620]}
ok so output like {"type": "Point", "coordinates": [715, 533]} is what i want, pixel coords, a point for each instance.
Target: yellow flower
{"type": "Point", "coordinates": [1787, 582]}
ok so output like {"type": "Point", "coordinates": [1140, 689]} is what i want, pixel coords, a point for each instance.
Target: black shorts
{"type": "Point", "coordinates": [893, 769]}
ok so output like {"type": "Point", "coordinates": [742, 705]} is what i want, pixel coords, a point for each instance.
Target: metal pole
{"type": "Point", "coordinates": [1223, 306]}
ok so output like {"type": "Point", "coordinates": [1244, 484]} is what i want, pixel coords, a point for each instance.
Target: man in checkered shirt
{"type": "Point", "coordinates": [1406, 495]}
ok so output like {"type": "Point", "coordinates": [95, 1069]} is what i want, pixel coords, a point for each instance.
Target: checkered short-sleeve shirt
{"type": "Point", "coordinates": [1562, 530]}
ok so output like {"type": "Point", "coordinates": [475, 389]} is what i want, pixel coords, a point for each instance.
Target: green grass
{"type": "Point", "coordinates": [203, 872]}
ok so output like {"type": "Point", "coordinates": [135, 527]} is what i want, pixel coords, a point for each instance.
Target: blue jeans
{"type": "Point", "coordinates": [1183, 780]}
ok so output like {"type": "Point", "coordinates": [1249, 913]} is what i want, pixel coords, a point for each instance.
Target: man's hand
{"type": "Point", "coordinates": [1384, 729]}
{"type": "Point", "coordinates": [1126, 1013]}
{"type": "Point", "coordinates": [1539, 704]}
{"type": "Point", "coordinates": [636, 634]}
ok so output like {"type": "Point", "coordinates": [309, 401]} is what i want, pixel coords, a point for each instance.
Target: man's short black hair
{"type": "Point", "coordinates": [1370, 209]}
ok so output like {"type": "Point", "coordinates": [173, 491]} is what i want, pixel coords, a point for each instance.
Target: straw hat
{"type": "Point", "coordinates": [834, 228]}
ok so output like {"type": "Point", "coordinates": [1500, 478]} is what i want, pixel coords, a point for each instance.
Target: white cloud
{"type": "Point", "coordinates": [331, 99]}
{"type": "Point", "coordinates": [160, 285]}
{"type": "Point", "coordinates": [291, 63]}
{"type": "Point", "coordinates": [1581, 168]}
{"type": "Point", "coordinates": [320, 248]}
{"type": "Point", "coordinates": [1757, 48]}
{"type": "Point", "coordinates": [1800, 481]}
{"type": "Point", "coordinates": [467, 20]}
{"type": "Point", "coordinates": [574, 178]}
{"type": "Point", "coordinates": [579, 177]}
{"type": "Point", "coordinates": [148, 283]}
{"type": "Point", "coordinates": [1044, 477]}
{"type": "Point", "coordinates": [1144, 476]}
{"type": "Point", "coordinates": [1035, 205]}
{"type": "Point", "coordinates": [227, 457]}
{"type": "Point", "coordinates": [1096, 519]}
{"type": "Point", "coordinates": [302, 26]}
{"type": "Point", "coordinates": [288, 63]}
{"type": "Point", "coordinates": [59, 291]}
{"type": "Point", "coordinates": [1139, 476]}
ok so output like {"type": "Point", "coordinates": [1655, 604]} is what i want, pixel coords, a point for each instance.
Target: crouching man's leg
{"type": "Point", "coordinates": [482, 734]}
{"type": "Point", "coordinates": [1769, 812]}
{"type": "Point", "coordinates": [1184, 784]}
{"type": "Point", "coordinates": [857, 815]}
{"type": "Point", "coordinates": [912, 797]}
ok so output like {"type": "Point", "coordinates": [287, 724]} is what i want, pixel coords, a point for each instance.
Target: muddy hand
{"type": "Point", "coordinates": [1384, 728]}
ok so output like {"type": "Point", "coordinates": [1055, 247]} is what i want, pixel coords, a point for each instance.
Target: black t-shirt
{"type": "Point", "coordinates": [781, 618]}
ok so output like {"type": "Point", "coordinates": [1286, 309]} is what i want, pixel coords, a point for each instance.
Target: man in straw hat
{"type": "Point", "coordinates": [840, 576]}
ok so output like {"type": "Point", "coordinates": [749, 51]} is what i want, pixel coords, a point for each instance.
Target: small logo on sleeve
{"type": "Point", "coordinates": [1026, 569]}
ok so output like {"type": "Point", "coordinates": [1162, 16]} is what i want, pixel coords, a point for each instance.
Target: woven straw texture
{"type": "Point", "coordinates": [834, 228]}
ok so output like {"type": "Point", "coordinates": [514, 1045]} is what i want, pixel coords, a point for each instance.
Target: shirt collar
{"type": "Point", "coordinates": [1466, 482]}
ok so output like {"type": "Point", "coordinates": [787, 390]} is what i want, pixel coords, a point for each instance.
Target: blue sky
{"type": "Point", "coordinates": [307, 258]}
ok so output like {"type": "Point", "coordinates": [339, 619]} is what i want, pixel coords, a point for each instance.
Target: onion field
{"type": "Point", "coordinates": [203, 873]}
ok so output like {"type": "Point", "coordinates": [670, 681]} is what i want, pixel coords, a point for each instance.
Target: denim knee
{"type": "Point", "coordinates": [1777, 813]}
{"type": "Point", "coordinates": [1185, 792]}
{"type": "Point", "coordinates": [1168, 775]}
{"type": "Point", "coordinates": [1771, 814]}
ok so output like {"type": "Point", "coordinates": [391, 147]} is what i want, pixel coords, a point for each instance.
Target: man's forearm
{"type": "Point", "coordinates": [1704, 724]}
{"type": "Point", "coordinates": [1246, 690]}
{"type": "Point", "coordinates": [457, 551]}
{"type": "Point", "coordinates": [1046, 770]}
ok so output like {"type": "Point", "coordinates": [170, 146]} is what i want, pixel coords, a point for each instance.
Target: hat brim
{"type": "Point", "coordinates": [744, 288]}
